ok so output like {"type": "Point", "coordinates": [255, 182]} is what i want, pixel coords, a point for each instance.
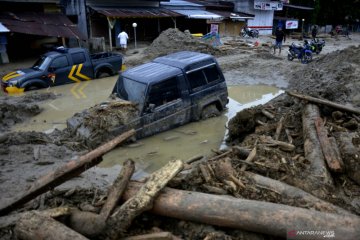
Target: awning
{"type": "Point", "coordinates": [136, 12]}
{"type": "Point", "coordinates": [238, 16]}
{"type": "Point", "coordinates": [3, 28]}
{"type": "Point", "coordinates": [43, 24]}
{"type": "Point", "coordinates": [199, 14]}
{"type": "Point", "coordinates": [297, 7]}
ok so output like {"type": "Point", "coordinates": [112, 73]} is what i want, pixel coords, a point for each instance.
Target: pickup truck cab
{"type": "Point", "coordinates": [173, 90]}
{"type": "Point", "coordinates": [62, 66]}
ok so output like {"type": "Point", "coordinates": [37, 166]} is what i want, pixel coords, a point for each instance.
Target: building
{"type": "Point", "coordinates": [35, 26]}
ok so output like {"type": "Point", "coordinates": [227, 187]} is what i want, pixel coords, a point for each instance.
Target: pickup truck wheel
{"type": "Point", "coordinates": [31, 88]}
{"type": "Point", "coordinates": [210, 111]}
{"type": "Point", "coordinates": [103, 75]}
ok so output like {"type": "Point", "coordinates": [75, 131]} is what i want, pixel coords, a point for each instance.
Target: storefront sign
{"type": "Point", "coordinates": [277, 6]}
{"type": "Point", "coordinates": [291, 24]}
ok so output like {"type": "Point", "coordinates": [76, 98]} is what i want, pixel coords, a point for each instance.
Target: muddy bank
{"type": "Point", "coordinates": [18, 109]}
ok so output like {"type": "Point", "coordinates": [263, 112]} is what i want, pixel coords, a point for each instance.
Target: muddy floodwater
{"type": "Point", "coordinates": [197, 138]}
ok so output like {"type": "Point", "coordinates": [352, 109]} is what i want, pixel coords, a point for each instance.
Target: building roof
{"type": "Point", "coordinates": [44, 24]}
{"type": "Point", "coordinates": [199, 14]}
{"type": "Point", "coordinates": [297, 6]}
{"type": "Point", "coordinates": [3, 28]}
{"type": "Point", "coordinates": [233, 15]}
{"type": "Point", "coordinates": [136, 12]}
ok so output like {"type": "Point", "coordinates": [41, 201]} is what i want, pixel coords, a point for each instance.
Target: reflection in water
{"type": "Point", "coordinates": [197, 138]}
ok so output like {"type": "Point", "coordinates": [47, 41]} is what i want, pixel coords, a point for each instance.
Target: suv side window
{"type": "Point", "coordinates": [196, 79]}
{"type": "Point", "coordinates": [212, 73]}
{"type": "Point", "coordinates": [78, 58]}
{"type": "Point", "coordinates": [60, 62]}
{"type": "Point", "coordinates": [164, 92]}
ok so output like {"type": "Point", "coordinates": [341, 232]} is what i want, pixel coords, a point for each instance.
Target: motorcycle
{"type": "Point", "coordinates": [303, 53]}
{"type": "Point", "coordinates": [317, 45]}
{"type": "Point", "coordinates": [247, 32]}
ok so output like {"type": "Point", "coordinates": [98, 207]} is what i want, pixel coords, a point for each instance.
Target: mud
{"type": "Point", "coordinates": [26, 156]}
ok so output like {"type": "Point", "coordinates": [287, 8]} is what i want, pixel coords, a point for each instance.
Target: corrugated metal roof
{"type": "Point", "coordinates": [35, 23]}
{"type": "Point", "coordinates": [199, 14]}
{"type": "Point", "coordinates": [176, 3]}
{"type": "Point", "coordinates": [233, 15]}
{"type": "Point", "coordinates": [297, 7]}
{"type": "Point", "coordinates": [3, 28]}
{"type": "Point", "coordinates": [136, 12]}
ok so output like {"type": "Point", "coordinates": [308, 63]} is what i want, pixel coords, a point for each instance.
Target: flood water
{"type": "Point", "coordinates": [197, 138]}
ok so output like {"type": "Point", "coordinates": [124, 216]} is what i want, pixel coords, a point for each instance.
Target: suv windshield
{"type": "Point", "coordinates": [42, 63]}
{"type": "Point", "coordinates": [130, 90]}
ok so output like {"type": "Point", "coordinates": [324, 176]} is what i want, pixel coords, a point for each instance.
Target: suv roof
{"type": "Point", "coordinates": [151, 72]}
{"type": "Point", "coordinates": [186, 60]}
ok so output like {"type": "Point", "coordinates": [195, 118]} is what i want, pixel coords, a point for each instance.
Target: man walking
{"type": "Point", "coordinates": [123, 37]}
{"type": "Point", "coordinates": [279, 37]}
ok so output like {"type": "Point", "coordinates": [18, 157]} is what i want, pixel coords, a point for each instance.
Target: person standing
{"type": "Point", "coordinates": [279, 37]}
{"type": "Point", "coordinates": [314, 32]}
{"type": "Point", "coordinates": [123, 37]}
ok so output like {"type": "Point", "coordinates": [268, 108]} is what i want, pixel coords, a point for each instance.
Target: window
{"type": "Point", "coordinates": [78, 58]}
{"type": "Point", "coordinates": [164, 92]}
{"type": "Point", "coordinates": [60, 62]}
{"type": "Point", "coordinates": [196, 79]}
{"type": "Point", "coordinates": [212, 74]}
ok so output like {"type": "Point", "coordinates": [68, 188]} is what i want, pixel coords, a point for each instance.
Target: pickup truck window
{"type": "Point", "coordinates": [42, 63]}
{"type": "Point", "coordinates": [60, 62]}
{"type": "Point", "coordinates": [131, 90]}
{"type": "Point", "coordinates": [78, 57]}
{"type": "Point", "coordinates": [164, 92]}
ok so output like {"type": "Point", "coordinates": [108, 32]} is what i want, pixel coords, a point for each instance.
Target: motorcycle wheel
{"type": "Point", "coordinates": [290, 57]}
{"type": "Point", "coordinates": [306, 58]}
{"type": "Point", "coordinates": [256, 34]}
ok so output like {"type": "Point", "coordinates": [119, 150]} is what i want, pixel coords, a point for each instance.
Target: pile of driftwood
{"type": "Point", "coordinates": [269, 188]}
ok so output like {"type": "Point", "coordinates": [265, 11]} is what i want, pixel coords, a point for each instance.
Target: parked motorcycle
{"type": "Point", "coordinates": [317, 45]}
{"type": "Point", "coordinates": [303, 53]}
{"type": "Point", "coordinates": [248, 32]}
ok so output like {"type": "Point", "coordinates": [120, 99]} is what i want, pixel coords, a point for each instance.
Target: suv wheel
{"type": "Point", "coordinates": [210, 111]}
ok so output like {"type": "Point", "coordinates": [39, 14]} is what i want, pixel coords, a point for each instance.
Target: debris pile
{"type": "Point", "coordinates": [173, 40]}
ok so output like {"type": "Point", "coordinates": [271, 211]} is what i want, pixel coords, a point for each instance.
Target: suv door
{"type": "Point", "coordinates": [165, 107]}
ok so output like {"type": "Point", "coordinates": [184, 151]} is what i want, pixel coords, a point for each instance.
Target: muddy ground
{"type": "Point", "coordinates": [333, 75]}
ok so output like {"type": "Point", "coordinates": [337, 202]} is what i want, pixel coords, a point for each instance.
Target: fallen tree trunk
{"type": "Point", "coordinates": [65, 172]}
{"type": "Point", "coordinates": [141, 201]}
{"type": "Point", "coordinates": [290, 192]}
{"type": "Point", "coordinates": [91, 224]}
{"type": "Point", "coordinates": [324, 102]}
{"type": "Point", "coordinates": [256, 216]}
{"type": "Point", "coordinates": [34, 226]}
{"type": "Point", "coordinates": [333, 160]}
{"type": "Point", "coordinates": [350, 155]}
{"type": "Point", "coordinates": [118, 188]}
{"type": "Point", "coordinates": [318, 179]}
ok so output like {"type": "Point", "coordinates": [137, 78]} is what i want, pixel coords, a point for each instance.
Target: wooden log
{"type": "Point", "coordinates": [318, 181]}
{"type": "Point", "coordinates": [255, 216]}
{"type": "Point", "coordinates": [10, 220]}
{"type": "Point", "coordinates": [152, 236]}
{"type": "Point", "coordinates": [141, 201]}
{"type": "Point", "coordinates": [282, 145]}
{"type": "Point", "coordinates": [288, 134]}
{"type": "Point", "coordinates": [91, 224]}
{"type": "Point", "coordinates": [205, 172]}
{"type": "Point", "coordinates": [279, 128]}
{"type": "Point", "coordinates": [117, 189]}
{"type": "Point", "coordinates": [64, 173]}
{"type": "Point", "coordinates": [194, 159]}
{"type": "Point", "coordinates": [34, 226]}
{"type": "Point", "coordinates": [324, 102]}
{"type": "Point", "coordinates": [267, 114]}
{"type": "Point", "coordinates": [350, 155]}
{"type": "Point", "coordinates": [333, 161]}
{"type": "Point", "coordinates": [297, 194]}
{"type": "Point", "coordinates": [249, 159]}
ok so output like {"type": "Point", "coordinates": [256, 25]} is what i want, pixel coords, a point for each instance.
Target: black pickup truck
{"type": "Point", "coordinates": [62, 66]}
{"type": "Point", "coordinates": [173, 90]}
